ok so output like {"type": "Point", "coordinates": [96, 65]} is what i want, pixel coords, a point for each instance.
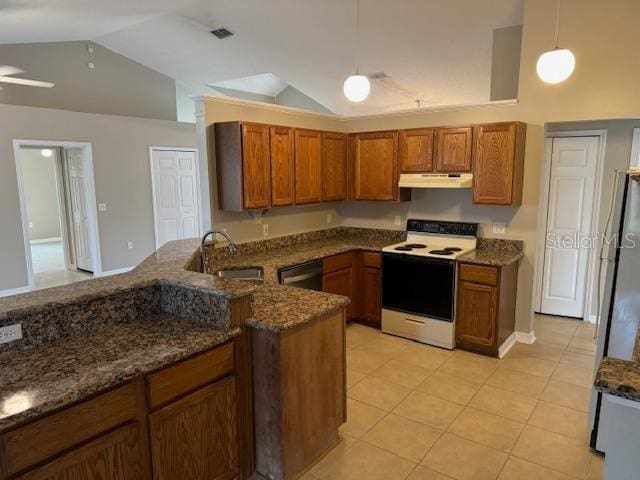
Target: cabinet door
{"type": "Point", "coordinates": [334, 166]}
{"type": "Point", "coordinates": [495, 164]}
{"type": "Point", "coordinates": [196, 437]}
{"type": "Point", "coordinates": [476, 322]}
{"type": "Point", "coordinates": [416, 150]}
{"type": "Point", "coordinates": [340, 282]}
{"type": "Point", "coordinates": [116, 455]}
{"type": "Point", "coordinates": [308, 166]}
{"type": "Point", "coordinates": [282, 171]}
{"type": "Point", "coordinates": [453, 149]}
{"type": "Point", "coordinates": [371, 299]}
{"type": "Point", "coordinates": [256, 166]}
{"type": "Point", "coordinates": [375, 166]}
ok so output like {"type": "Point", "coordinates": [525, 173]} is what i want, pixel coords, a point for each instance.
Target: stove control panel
{"type": "Point", "coordinates": [442, 228]}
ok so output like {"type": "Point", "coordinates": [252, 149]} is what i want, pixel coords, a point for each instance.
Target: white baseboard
{"type": "Point", "coordinates": [507, 345]}
{"type": "Point", "coordinates": [591, 318]}
{"type": "Point", "coordinates": [116, 271]}
{"type": "Point", "coordinates": [45, 240]}
{"type": "Point", "coordinates": [524, 337]}
{"type": "Point", "coordinates": [14, 291]}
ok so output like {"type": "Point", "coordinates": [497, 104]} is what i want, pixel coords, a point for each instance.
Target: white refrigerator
{"type": "Point", "coordinates": [620, 292]}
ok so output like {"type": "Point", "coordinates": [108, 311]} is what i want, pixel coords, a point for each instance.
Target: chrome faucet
{"type": "Point", "coordinates": [231, 247]}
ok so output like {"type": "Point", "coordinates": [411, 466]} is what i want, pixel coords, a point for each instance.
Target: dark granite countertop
{"type": "Point", "coordinates": [619, 377]}
{"type": "Point", "coordinates": [36, 380]}
{"type": "Point", "coordinates": [495, 252]}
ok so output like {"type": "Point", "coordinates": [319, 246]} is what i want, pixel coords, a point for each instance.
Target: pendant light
{"type": "Point", "coordinates": [357, 87]}
{"type": "Point", "coordinates": [556, 65]}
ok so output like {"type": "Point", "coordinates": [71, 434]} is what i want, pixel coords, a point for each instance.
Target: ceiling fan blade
{"type": "Point", "coordinates": [26, 81]}
{"type": "Point", "coordinates": [9, 70]}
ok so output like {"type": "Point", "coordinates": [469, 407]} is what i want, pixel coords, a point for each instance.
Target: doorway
{"type": "Point", "coordinates": [57, 202]}
{"type": "Point", "coordinates": [175, 186]}
{"type": "Point", "coordinates": [570, 193]}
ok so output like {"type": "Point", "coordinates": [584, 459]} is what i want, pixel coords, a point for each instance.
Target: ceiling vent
{"type": "Point", "coordinates": [222, 32]}
{"type": "Point", "coordinates": [377, 76]}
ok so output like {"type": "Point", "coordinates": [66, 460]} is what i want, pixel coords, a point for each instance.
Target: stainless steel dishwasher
{"type": "Point", "coordinates": [306, 275]}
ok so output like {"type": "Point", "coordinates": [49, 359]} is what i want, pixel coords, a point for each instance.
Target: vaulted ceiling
{"type": "Point", "coordinates": [438, 51]}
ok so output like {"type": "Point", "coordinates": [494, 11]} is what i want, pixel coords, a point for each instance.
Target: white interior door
{"type": "Point", "coordinates": [76, 183]}
{"type": "Point", "coordinates": [176, 196]}
{"type": "Point", "coordinates": [570, 209]}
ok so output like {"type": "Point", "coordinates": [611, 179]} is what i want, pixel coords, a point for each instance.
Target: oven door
{"type": "Point", "coordinates": [419, 285]}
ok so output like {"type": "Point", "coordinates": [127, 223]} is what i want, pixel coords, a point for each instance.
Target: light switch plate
{"type": "Point", "coordinates": [11, 333]}
{"type": "Point", "coordinates": [397, 220]}
{"type": "Point", "coordinates": [499, 227]}
{"type": "Point", "coordinates": [130, 245]}
{"type": "Point", "coordinates": [102, 207]}
{"type": "Point", "coordinates": [265, 229]}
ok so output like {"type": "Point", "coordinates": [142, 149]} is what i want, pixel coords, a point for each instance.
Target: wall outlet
{"type": "Point", "coordinates": [329, 218]}
{"type": "Point", "coordinates": [11, 333]}
{"type": "Point", "coordinates": [397, 220]}
{"type": "Point", "coordinates": [30, 224]}
{"type": "Point", "coordinates": [265, 230]}
{"type": "Point", "coordinates": [102, 207]}
{"type": "Point", "coordinates": [499, 227]}
{"type": "Point", "coordinates": [130, 245]}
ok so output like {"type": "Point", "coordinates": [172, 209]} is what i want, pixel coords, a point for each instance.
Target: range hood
{"type": "Point", "coordinates": [436, 180]}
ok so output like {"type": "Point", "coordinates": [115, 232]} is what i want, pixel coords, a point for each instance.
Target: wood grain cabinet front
{"type": "Point", "coordinates": [498, 163]}
{"type": "Point", "coordinates": [334, 166]}
{"type": "Point", "coordinates": [416, 150]}
{"type": "Point", "coordinates": [486, 307]}
{"type": "Point", "coordinates": [282, 167]}
{"type": "Point", "coordinates": [196, 436]}
{"type": "Point", "coordinates": [453, 149]}
{"type": "Point", "coordinates": [308, 166]}
{"type": "Point", "coordinates": [339, 277]}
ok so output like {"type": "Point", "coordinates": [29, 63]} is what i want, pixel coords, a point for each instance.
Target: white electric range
{"type": "Point", "coordinates": [419, 280]}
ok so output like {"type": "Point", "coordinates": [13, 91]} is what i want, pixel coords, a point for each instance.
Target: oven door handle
{"type": "Point", "coordinates": [417, 322]}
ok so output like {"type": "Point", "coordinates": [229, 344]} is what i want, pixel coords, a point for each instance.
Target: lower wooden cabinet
{"type": "Point", "coordinates": [197, 433]}
{"type": "Point", "coordinates": [181, 422]}
{"type": "Point", "coordinates": [486, 305]}
{"type": "Point", "coordinates": [356, 275]}
{"type": "Point", "coordinates": [116, 455]}
{"type": "Point", "coordinates": [338, 277]}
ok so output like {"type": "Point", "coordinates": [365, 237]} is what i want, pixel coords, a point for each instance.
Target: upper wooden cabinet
{"type": "Point", "coordinates": [374, 169]}
{"type": "Point", "coordinates": [416, 150]}
{"type": "Point", "coordinates": [334, 166]}
{"type": "Point", "coordinates": [243, 163]}
{"type": "Point", "coordinates": [453, 149]}
{"type": "Point", "coordinates": [498, 163]}
{"type": "Point", "coordinates": [282, 166]}
{"type": "Point", "coordinates": [308, 166]}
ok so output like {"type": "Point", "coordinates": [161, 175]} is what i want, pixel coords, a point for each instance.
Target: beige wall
{"type": "Point", "coordinates": [505, 63]}
{"type": "Point", "coordinates": [121, 164]}
{"type": "Point", "coordinates": [41, 193]}
{"type": "Point", "coordinates": [281, 221]}
{"type": "Point", "coordinates": [116, 86]}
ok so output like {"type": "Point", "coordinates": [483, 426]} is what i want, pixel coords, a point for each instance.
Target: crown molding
{"type": "Point", "coordinates": [344, 118]}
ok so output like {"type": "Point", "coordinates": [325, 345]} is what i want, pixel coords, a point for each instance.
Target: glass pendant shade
{"type": "Point", "coordinates": [556, 65]}
{"type": "Point", "coordinates": [356, 88]}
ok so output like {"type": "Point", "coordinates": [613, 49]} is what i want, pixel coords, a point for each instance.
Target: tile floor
{"type": "Point", "coordinates": [422, 413]}
{"type": "Point", "coordinates": [49, 269]}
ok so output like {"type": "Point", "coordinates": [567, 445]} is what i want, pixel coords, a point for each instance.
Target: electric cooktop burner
{"type": "Point", "coordinates": [403, 248]}
{"type": "Point", "coordinates": [441, 252]}
{"type": "Point", "coordinates": [453, 249]}
{"type": "Point", "coordinates": [416, 245]}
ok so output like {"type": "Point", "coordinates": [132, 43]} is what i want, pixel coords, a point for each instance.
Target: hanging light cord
{"type": "Point", "coordinates": [357, 35]}
{"type": "Point", "coordinates": [557, 23]}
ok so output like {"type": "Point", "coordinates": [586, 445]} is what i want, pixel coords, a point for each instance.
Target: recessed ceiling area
{"type": "Point", "coordinates": [435, 51]}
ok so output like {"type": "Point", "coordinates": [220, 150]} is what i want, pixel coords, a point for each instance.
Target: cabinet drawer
{"type": "Point", "coordinates": [479, 274]}
{"type": "Point", "coordinates": [337, 262]}
{"type": "Point", "coordinates": [173, 382]}
{"type": "Point", "coordinates": [371, 259]}
{"type": "Point", "coordinates": [45, 438]}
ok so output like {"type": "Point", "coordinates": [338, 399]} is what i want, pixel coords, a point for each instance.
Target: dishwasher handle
{"type": "Point", "coordinates": [300, 272]}
{"type": "Point", "coordinates": [304, 276]}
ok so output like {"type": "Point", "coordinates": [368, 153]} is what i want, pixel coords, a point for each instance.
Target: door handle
{"type": "Point", "coordinates": [417, 322]}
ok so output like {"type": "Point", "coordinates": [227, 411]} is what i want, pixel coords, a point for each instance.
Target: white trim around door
{"type": "Point", "coordinates": [94, 233]}
{"type": "Point", "coordinates": [545, 179]}
{"type": "Point", "coordinates": [199, 228]}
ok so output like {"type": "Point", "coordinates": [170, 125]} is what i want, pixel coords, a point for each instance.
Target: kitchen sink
{"type": "Point", "coordinates": [245, 274]}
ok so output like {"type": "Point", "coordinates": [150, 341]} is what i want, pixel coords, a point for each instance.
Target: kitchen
{"type": "Point", "coordinates": [409, 363]}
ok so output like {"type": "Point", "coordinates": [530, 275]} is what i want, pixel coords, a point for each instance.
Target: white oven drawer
{"type": "Point", "coordinates": [423, 329]}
